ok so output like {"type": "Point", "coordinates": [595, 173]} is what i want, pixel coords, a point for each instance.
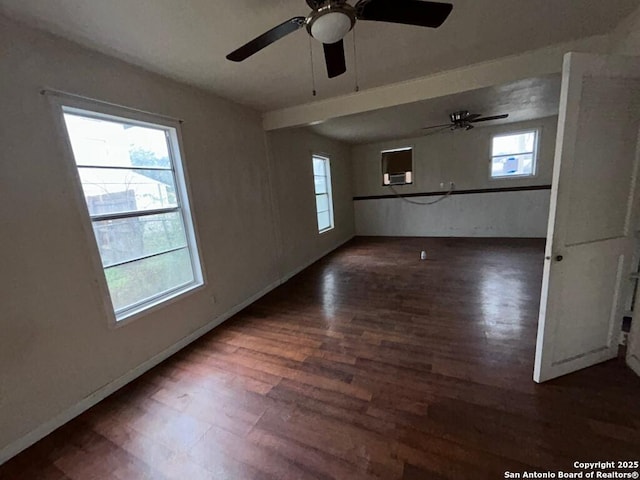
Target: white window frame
{"type": "Point", "coordinates": [534, 165]}
{"type": "Point", "coordinates": [327, 160]}
{"type": "Point", "coordinates": [95, 109]}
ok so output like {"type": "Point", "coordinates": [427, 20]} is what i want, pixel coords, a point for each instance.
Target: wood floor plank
{"type": "Point", "coordinates": [370, 364]}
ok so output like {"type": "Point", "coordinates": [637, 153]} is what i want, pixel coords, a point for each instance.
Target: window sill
{"type": "Point", "coordinates": [146, 309]}
{"type": "Point", "coordinates": [514, 177]}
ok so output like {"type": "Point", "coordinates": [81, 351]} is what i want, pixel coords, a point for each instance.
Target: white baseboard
{"type": "Point", "coordinates": [83, 405]}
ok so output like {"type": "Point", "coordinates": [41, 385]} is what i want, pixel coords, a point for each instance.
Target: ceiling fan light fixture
{"type": "Point", "coordinates": [330, 24]}
{"type": "Point", "coordinates": [459, 116]}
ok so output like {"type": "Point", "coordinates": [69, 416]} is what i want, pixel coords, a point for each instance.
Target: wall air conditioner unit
{"type": "Point", "coordinates": [398, 178]}
{"type": "Point", "coordinates": [397, 167]}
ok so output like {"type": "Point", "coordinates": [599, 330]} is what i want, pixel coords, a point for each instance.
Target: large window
{"type": "Point", "coordinates": [324, 201]}
{"type": "Point", "coordinates": [514, 154]}
{"type": "Point", "coordinates": [134, 187]}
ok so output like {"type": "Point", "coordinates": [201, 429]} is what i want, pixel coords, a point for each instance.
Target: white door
{"type": "Point", "coordinates": [592, 219]}
{"type": "Point", "coordinates": [633, 346]}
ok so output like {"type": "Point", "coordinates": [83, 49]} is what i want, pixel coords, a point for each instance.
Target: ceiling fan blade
{"type": "Point", "coordinates": [266, 39]}
{"type": "Point", "coordinates": [409, 12]}
{"type": "Point", "coordinates": [438, 126]}
{"type": "Point", "coordinates": [334, 56]}
{"type": "Point", "coordinates": [488, 119]}
{"type": "Point", "coordinates": [472, 117]}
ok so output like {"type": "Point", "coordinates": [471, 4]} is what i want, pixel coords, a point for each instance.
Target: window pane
{"type": "Point", "coordinates": [319, 166]}
{"type": "Point", "coordinates": [99, 142]}
{"type": "Point", "coordinates": [116, 191]}
{"type": "Point", "coordinates": [513, 144]}
{"type": "Point", "coordinates": [397, 161]}
{"type": "Point", "coordinates": [131, 238]}
{"type": "Point", "coordinates": [322, 203]}
{"type": "Point", "coordinates": [138, 281]}
{"type": "Point", "coordinates": [321, 184]}
{"type": "Point", "coordinates": [324, 221]}
{"type": "Point", "coordinates": [512, 165]}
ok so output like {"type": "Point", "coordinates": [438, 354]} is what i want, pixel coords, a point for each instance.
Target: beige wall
{"type": "Point", "coordinates": [56, 347]}
{"type": "Point", "coordinates": [461, 157]}
{"type": "Point", "coordinates": [292, 173]}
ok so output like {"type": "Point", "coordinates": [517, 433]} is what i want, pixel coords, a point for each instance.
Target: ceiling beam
{"type": "Point", "coordinates": [504, 70]}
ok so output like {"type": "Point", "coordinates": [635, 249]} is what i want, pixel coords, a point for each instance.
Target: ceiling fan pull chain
{"type": "Point", "coordinates": [355, 60]}
{"type": "Point", "coordinates": [313, 76]}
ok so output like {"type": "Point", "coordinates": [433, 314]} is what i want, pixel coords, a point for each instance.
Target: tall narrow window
{"type": "Point", "coordinates": [324, 200]}
{"type": "Point", "coordinates": [133, 183]}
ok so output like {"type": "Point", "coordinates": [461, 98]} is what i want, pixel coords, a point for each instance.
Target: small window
{"type": "Point", "coordinates": [514, 154]}
{"type": "Point", "coordinates": [397, 166]}
{"type": "Point", "coordinates": [324, 200]}
{"type": "Point", "coordinates": [134, 188]}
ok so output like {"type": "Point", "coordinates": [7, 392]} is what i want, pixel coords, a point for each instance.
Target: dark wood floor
{"type": "Point", "coordinates": [369, 364]}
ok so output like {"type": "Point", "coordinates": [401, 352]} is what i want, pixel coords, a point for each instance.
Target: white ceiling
{"type": "Point", "coordinates": [188, 40]}
{"type": "Point", "coordinates": [523, 100]}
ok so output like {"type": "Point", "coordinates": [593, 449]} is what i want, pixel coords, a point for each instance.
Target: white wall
{"type": "Point", "coordinates": [292, 172]}
{"type": "Point", "coordinates": [508, 214]}
{"type": "Point", "coordinates": [461, 157]}
{"type": "Point", "coordinates": [57, 352]}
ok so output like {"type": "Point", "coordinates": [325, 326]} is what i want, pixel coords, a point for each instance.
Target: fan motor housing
{"type": "Point", "coordinates": [460, 116]}
{"type": "Point", "coordinates": [317, 4]}
{"type": "Point", "coordinates": [330, 23]}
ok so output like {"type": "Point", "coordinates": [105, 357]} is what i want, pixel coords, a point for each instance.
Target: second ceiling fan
{"type": "Point", "coordinates": [330, 20]}
{"type": "Point", "coordinates": [465, 120]}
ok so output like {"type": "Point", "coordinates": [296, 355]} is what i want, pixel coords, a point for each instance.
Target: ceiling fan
{"type": "Point", "coordinates": [465, 120]}
{"type": "Point", "coordinates": [331, 20]}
